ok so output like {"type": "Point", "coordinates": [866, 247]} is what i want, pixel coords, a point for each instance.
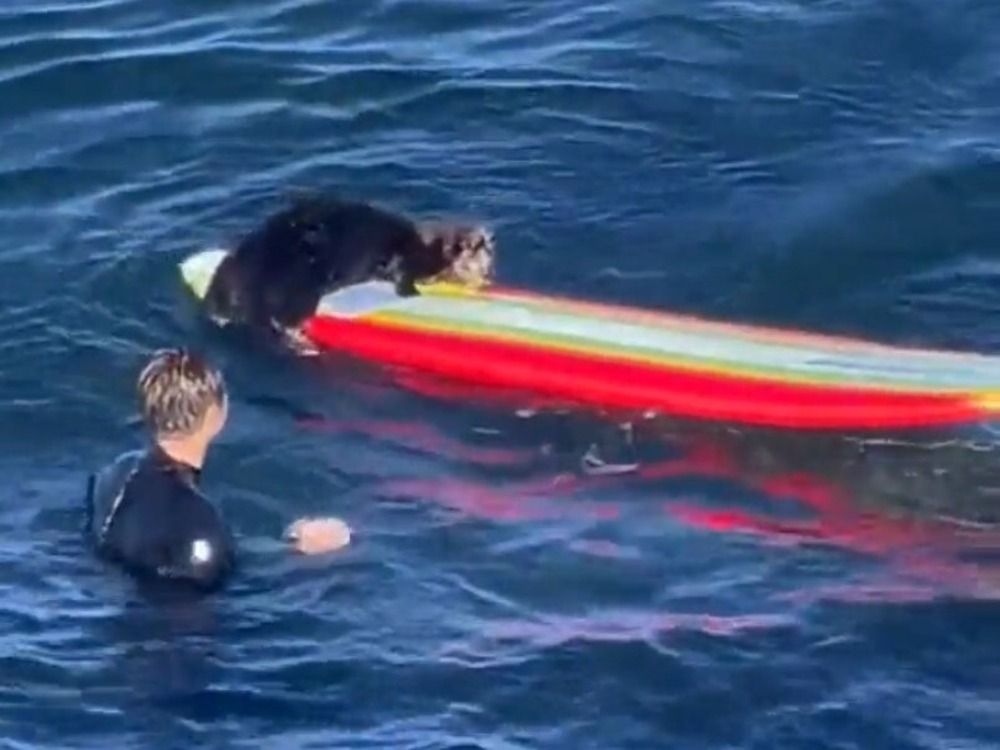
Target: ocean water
{"type": "Point", "coordinates": [518, 579]}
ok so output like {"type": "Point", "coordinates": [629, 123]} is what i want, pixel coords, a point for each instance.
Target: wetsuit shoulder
{"type": "Point", "coordinates": [158, 524]}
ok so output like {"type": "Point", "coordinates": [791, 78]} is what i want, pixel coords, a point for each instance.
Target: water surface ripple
{"type": "Point", "coordinates": [831, 165]}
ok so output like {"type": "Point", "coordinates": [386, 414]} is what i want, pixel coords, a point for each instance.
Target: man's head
{"type": "Point", "coordinates": [181, 396]}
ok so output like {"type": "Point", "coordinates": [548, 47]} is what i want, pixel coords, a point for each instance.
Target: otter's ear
{"type": "Point", "coordinates": [427, 232]}
{"type": "Point", "coordinates": [435, 237]}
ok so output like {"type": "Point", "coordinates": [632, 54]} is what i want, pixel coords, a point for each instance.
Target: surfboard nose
{"type": "Point", "coordinates": [198, 269]}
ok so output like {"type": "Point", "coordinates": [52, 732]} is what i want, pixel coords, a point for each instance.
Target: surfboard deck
{"type": "Point", "coordinates": [621, 357]}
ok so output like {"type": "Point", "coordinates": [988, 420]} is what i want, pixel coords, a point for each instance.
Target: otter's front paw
{"type": "Point", "coordinates": [405, 287]}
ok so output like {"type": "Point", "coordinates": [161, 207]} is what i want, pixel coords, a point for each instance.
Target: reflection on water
{"type": "Point", "coordinates": [921, 503]}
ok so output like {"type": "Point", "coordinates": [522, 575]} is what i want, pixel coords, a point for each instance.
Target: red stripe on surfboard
{"type": "Point", "coordinates": [618, 383]}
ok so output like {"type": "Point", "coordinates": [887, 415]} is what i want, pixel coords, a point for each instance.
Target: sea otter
{"type": "Point", "coordinates": [276, 274]}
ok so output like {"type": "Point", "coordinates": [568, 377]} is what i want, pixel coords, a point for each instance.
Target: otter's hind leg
{"type": "Point", "coordinates": [294, 339]}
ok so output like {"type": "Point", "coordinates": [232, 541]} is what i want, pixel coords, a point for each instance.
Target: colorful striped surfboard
{"type": "Point", "coordinates": [619, 357]}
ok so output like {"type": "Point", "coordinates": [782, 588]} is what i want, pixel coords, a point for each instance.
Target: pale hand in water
{"type": "Point", "coordinates": [316, 536]}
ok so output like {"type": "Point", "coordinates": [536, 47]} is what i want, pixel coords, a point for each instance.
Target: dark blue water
{"type": "Point", "coordinates": [831, 164]}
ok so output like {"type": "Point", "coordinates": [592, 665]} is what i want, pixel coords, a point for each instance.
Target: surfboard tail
{"type": "Point", "coordinates": [198, 269]}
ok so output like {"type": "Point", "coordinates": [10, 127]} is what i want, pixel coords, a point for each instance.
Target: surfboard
{"type": "Point", "coordinates": [621, 357]}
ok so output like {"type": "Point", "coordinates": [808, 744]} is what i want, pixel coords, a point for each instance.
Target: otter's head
{"type": "Point", "coordinates": [463, 254]}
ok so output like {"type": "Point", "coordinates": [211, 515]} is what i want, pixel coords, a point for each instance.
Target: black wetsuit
{"type": "Point", "coordinates": [145, 512]}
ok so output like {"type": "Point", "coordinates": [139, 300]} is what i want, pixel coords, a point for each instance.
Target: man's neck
{"type": "Point", "coordinates": [188, 451]}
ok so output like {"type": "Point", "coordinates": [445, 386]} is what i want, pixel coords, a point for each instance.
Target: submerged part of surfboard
{"type": "Point", "coordinates": [620, 357]}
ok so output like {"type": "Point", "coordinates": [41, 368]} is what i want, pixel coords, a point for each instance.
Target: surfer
{"type": "Point", "coordinates": [146, 512]}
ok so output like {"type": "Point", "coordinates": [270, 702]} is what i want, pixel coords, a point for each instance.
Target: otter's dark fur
{"type": "Point", "coordinates": [276, 275]}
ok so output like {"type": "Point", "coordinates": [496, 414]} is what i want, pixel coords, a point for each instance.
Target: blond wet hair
{"type": "Point", "coordinates": [176, 390]}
